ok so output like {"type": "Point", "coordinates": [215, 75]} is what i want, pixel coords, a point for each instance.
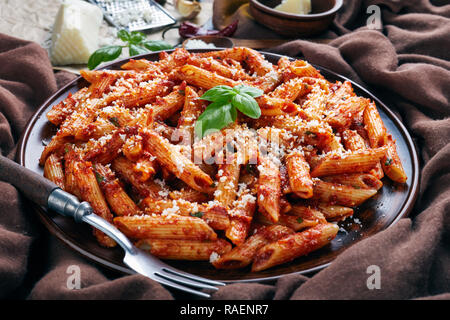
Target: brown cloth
{"type": "Point", "coordinates": [407, 61]}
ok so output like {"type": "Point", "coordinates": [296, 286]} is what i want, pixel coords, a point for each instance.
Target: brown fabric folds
{"type": "Point", "coordinates": [407, 63]}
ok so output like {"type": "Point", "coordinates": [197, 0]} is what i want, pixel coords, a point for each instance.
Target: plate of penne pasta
{"type": "Point", "coordinates": [232, 164]}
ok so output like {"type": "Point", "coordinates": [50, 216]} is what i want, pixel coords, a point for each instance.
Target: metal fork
{"type": "Point", "coordinates": [47, 194]}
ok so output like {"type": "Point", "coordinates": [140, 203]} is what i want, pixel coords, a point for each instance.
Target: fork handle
{"type": "Point", "coordinates": [34, 186]}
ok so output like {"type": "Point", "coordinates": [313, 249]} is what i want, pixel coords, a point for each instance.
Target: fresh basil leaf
{"type": "Point", "coordinates": [299, 220]}
{"type": "Point", "coordinates": [197, 214]}
{"type": "Point", "coordinates": [247, 105]}
{"type": "Point", "coordinates": [215, 117]}
{"type": "Point", "coordinates": [136, 50]}
{"type": "Point", "coordinates": [104, 54]}
{"type": "Point", "coordinates": [123, 35]}
{"type": "Point", "coordinates": [136, 37]}
{"type": "Point", "coordinates": [218, 93]}
{"type": "Point", "coordinates": [251, 91]}
{"type": "Point", "coordinates": [156, 45]}
{"type": "Point", "coordinates": [99, 177]}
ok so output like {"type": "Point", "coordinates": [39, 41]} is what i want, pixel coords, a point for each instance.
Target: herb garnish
{"type": "Point", "coordinates": [198, 214]}
{"type": "Point", "coordinates": [136, 43]}
{"type": "Point", "coordinates": [388, 162]}
{"type": "Point", "coordinates": [225, 101]}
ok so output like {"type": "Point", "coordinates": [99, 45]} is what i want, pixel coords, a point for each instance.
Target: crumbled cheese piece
{"type": "Point", "coordinates": [198, 44]}
{"type": "Point", "coordinates": [213, 257]}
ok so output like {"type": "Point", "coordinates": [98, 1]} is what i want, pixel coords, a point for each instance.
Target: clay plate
{"type": "Point", "coordinates": [392, 202]}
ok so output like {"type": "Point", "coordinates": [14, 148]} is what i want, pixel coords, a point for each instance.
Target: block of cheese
{"type": "Point", "coordinates": [75, 32]}
{"type": "Point", "coordinates": [295, 6]}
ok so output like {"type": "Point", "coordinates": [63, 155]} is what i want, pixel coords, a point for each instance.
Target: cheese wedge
{"type": "Point", "coordinates": [295, 6]}
{"type": "Point", "coordinates": [75, 32]}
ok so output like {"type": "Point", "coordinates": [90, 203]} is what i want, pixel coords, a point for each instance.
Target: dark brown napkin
{"type": "Point", "coordinates": [407, 63]}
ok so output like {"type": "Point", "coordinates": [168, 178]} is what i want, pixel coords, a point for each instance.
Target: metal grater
{"type": "Point", "coordinates": [114, 10]}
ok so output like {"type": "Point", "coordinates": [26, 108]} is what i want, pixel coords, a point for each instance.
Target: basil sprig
{"type": "Point", "coordinates": [225, 101]}
{"type": "Point", "coordinates": [136, 43]}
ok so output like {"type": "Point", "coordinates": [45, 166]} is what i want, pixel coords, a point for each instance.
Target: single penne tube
{"type": "Point", "coordinates": [299, 175]}
{"type": "Point", "coordinates": [301, 68]}
{"type": "Point", "coordinates": [59, 112]}
{"type": "Point", "coordinates": [189, 194]}
{"type": "Point", "coordinates": [335, 212]}
{"type": "Point", "coordinates": [79, 123]}
{"type": "Point", "coordinates": [101, 84]}
{"type": "Point", "coordinates": [139, 65]}
{"type": "Point", "coordinates": [242, 255]}
{"type": "Point", "coordinates": [374, 125]}
{"type": "Point", "coordinates": [119, 201]}
{"type": "Point", "coordinates": [170, 226]}
{"type": "Point", "coordinates": [307, 213]}
{"type": "Point", "coordinates": [255, 61]}
{"type": "Point", "coordinates": [241, 216]}
{"type": "Point", "coordinates": [165, 107]}
{"type": "Point", "coordinates": [124, 168]}
{"type": "Point", "coordinates": [348, 162]}
{"type": "Point", "coordinates": [192, 109]}
{"type": "Point", "coordinates": [294, 246]}
{"type": "Point", "coordinates": [170, 157]}
{"type": "Point", "coordinates": [106, 148]}
{"type": "Point", "coordinates": [193, 250]}
{"type": "Point", "coordinates": [70, 184]}
{"type": "Point", "coordinates": [341, 117]}
{"type": "Point", "coordinates": [353, 141]}
{"type": "Point", "coordinates": [56, 144]}
{"type": "Point", "coordinates": [271, 106]}
{"type": "Point", "coordinates": [227, 181]}
{"type": "Point", "coordinates": [312, 133]}
{"type": "Point", "coordinates": [203, 78]}
{"type": "Point", "coordinates": [341, 194]}
{"type": "Point", "coordinates": [340, 92]}
{"type": "Point", "coordinates": [168, 62]}
{"type": "Point", "coordinates": [234, 72]}
{"type": "Point", "coordinates": [54, 171]}
{"type": "Point", "coordinates": [298, 218]}
{"type": "Point", "coordinates": [356, 180]}
{"type": "Point", "coordinates": [213, 213]}
{"type": "Point", "coordinates": [90, 191]}
{"type": "Point", "coordinates": [391, 163]}
{"type": "Point", "coordinates": [269, 189]}
{"type": "Point", "coordinates": [291, 90]}
{"type": "Point", "coordinates": [293, 222]}
{"type": "Point", "coordinates": [141, 95]}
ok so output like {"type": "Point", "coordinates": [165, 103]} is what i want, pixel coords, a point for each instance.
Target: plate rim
{"type": "Point", "coordinates": [55, 230]}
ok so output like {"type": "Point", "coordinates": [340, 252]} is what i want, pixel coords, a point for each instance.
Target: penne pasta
{"type": "Point", "coordinates": [119, 201]}
{"type": "Point", "coordinates": [269, 189]}
{"type": "Point", "coordinates": [54, 171]}
{"type": "Point", "coordinates": [349, 162]}
{"type": "Point", "coordinates": [294, 246]}
{"type": "Point", "coordinates": [341, 194]}
{"type": "Point", "coordinates": [193, 250]}
{"type": "Point", "coordinates": [169, 226]}
{"type": "Point", "coordinates": [242, 255]}
{"type": "Point", "coordinates": [90, 191]}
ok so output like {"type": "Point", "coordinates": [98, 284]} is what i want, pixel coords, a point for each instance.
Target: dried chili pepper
{"type": "Point", "coordinates": [188, 29]}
